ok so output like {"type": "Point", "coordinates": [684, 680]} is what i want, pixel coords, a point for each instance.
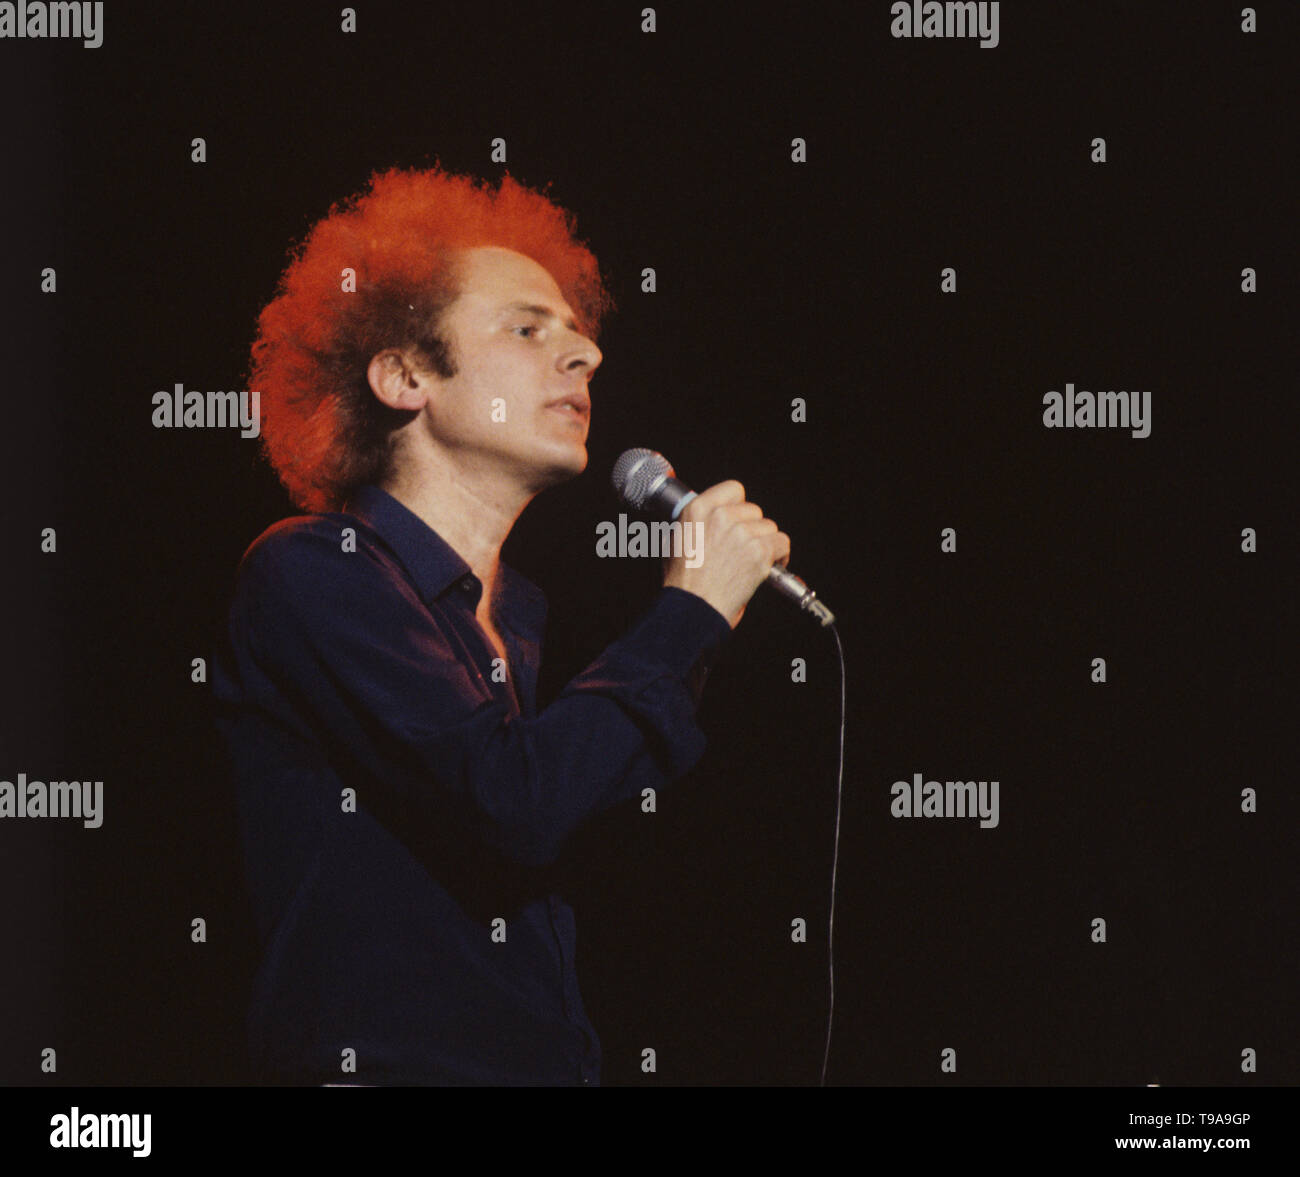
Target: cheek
{"type": "Point", "coordinates": [498, 395]}
{"type": "Point", "coordinates": [484, 396]}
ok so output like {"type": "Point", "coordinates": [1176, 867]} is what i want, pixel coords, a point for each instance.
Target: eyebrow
{"type": "Point", "coordinates": [544, 312]}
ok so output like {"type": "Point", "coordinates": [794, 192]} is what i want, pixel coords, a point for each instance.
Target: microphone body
{"type": "Point", "coordinates": [645, 480]}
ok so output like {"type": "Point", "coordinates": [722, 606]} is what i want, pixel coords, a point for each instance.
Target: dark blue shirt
{"type": "Point", "coordinates": [398, 800]}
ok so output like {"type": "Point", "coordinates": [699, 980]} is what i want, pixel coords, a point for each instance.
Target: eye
{"type": "Point", "coordinates": [526, 328]}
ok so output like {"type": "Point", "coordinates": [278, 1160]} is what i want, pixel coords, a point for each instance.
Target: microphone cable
{"type": "Point", "coordinates": [835, 859]}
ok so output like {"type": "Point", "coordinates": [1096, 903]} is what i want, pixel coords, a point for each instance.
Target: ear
{"type": "Point", "coordinates": [398, 381]}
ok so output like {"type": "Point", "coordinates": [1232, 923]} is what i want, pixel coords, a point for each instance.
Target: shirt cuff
{"type": "Point", "coordinates": [677, 631]}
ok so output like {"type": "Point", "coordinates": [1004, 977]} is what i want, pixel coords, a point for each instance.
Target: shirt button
{"type": "Point", "coordinates": [467, 583]}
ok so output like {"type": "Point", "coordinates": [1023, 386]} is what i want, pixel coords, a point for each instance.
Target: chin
{"type": "Point", "coordinates": [562, 467]}
{"type": "Point", "coordinates": [576, 465]}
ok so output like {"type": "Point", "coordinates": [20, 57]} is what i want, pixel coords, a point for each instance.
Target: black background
{"type": "Point", "coordinates": [775, 280]}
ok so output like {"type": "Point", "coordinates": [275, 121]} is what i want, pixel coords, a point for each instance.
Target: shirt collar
{"type": "Point", "coordinates": [435, 566]}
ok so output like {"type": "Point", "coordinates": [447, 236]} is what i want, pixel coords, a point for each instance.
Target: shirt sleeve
{"type": "Point", "coordinates": [339, 646]}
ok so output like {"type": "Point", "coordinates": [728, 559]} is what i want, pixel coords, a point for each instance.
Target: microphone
{"type": "Point", "coordinates": [645, 480]}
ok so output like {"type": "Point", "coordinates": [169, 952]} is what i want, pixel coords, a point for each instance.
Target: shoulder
{"type": "Point", "coordinates": [307, 550]}
{"type": "Point", "coordinates": [317, 579]}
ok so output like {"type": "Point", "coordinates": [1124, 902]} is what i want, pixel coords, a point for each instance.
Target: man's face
{"type": "Point", "coordinates": [519, 357]}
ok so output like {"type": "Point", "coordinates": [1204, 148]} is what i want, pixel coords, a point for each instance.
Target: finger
{"type": "Point", "coordinates": [721, 494]}
{"type": "Point", "coordinates": [741, 512]}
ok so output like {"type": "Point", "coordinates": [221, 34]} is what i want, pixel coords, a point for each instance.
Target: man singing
{"type": "Point", "coordinates": [424, 371]}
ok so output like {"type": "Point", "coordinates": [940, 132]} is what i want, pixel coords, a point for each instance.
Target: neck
{"type": "Point", "coordinates": [472, 509]}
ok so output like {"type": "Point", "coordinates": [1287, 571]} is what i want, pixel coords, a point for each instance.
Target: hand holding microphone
{"type": "Point", "coordinates": [738, 546]}
{"type": "Point", "coordinates": [741, 549]}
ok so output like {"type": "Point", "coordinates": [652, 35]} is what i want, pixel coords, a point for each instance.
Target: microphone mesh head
{"type": "Point", "coordinates": [637, 473]}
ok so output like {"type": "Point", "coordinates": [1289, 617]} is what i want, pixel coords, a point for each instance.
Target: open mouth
{"type": "Point", "coordinates": [576, 412]}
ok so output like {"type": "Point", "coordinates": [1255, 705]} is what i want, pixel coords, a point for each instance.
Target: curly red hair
{"type": "Point", "coordinates": [323, 430]}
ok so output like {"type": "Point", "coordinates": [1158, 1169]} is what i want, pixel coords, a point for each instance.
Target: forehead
{"type": "Point", "coordinates": [492, 276]}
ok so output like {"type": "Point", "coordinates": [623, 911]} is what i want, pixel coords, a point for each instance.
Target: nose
{"type": "Point", "coordinates": [582, 356]}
